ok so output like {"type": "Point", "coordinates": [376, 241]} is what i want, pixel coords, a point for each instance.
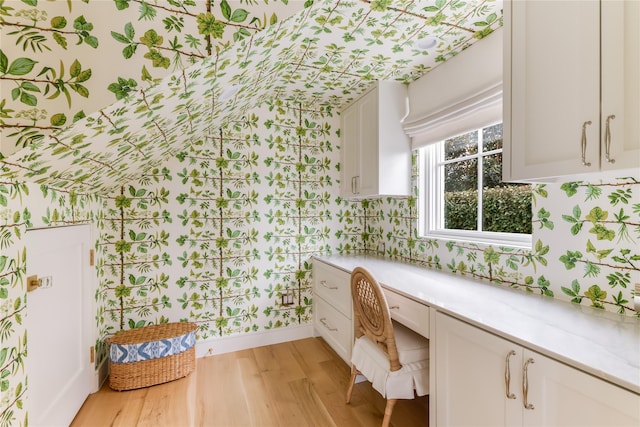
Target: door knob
{"type": "Point", "coordinates": [33, 283]}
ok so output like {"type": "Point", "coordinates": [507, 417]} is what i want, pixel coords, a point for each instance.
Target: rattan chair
{"type": "Point", "coordinates": [392, 357]}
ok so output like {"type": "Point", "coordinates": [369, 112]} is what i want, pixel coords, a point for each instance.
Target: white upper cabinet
{"type": "Point", "coordinates": [376, 155]}
{"type": "Point", "coordinates": [571, 88]}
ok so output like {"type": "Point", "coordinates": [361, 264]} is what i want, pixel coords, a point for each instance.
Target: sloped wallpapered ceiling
{"type": "Point", "coordinates": [327, 53]}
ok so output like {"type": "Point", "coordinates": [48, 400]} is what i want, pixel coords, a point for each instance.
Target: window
{"type": "Point", "coordinates": [463, 196]}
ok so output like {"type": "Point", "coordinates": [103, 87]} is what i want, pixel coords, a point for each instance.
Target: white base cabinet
{"type": "Point", "coordinates": [332, 309]}
{"type": "Point", "coordinates": [485, 380]}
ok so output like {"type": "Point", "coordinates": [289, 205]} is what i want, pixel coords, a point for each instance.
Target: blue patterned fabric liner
{"type": "Point", "coordinates": [129, 353]}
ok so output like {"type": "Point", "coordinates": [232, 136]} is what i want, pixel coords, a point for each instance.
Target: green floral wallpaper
{"type": "Point", "coordinates": [223, 234]}
{"type": "Point", "coordinates": [207, 208]}
{"type": "Point", "coordinates": [328, 52]}
{"type": "Point", "coordinates": [13, 335]}
{"type": "Point", "coordinates": [63, 60]}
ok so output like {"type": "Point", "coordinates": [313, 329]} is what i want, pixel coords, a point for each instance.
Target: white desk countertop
{"type": "Point", "coordinates": [604, 344]}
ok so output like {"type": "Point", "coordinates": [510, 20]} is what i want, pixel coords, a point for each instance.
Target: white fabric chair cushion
{"type": "Point", "coordinates": [413, 351]}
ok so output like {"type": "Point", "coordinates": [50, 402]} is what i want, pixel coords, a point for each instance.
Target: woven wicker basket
{"type": "Point", "coordinates": [145, 373]}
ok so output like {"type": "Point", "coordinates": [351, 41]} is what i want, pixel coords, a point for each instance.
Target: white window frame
{"type": "Point", "coordinates": [431, 198]}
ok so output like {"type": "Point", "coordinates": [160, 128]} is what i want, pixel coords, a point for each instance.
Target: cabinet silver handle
{"type": "Point", "coordinates": [584, 143]}
{"type": "Point", "coordinates": [394, 307]}
{"type": "Point", "coordinates": [507, 375]}
{"type": "Point", "coordinates": [324, 284]}
{"type": "Point", "coordinates": [607, 140]}
{"type": "Point", "coordinates": [323, 320]}
{"type": "Point", "coordinates": [357, 186]}
{"type": "Point", "coordinates": [525, 384]}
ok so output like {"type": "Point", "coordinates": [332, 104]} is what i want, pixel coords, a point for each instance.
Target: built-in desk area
{"type": "Point", "coordinates": [563, 363]}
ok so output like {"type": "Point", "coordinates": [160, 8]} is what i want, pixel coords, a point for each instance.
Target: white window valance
{"type": "Point", "coordinates": [462, 116]}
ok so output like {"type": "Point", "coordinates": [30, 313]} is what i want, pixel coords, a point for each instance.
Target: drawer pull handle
{"type": "Point", "coordinates": [324, 284]}
{"type": "Point", "coordinates": [323, 320]}
{"type": "Point", "coordinates": [507, 375]}
{"type": "Point", "coordinates": [607, 139]}
{"type": "Point", "coordinates": [394, 307]}
{"type": "Point", "coordinates": [584, 143]}
{"type": "Point", "coordinates": [525, 384]}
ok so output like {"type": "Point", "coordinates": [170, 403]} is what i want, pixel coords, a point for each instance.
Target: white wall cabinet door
{"type": "Point", "coordinates": [559, 66]}
{"type": "Point", "coordinates": [551, 88]}
{"type": "Point", "coordinates": [350, 120]}
{"type": "Point", "coordinates": [485, 380]}
{"type": "Point", "coordinates": [367, 183]}
{"type": "Point", "coordinates": [620, 84]}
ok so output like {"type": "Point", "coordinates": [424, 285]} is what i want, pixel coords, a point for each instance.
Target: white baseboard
{"type": "Point", "coordinates": [100, 375]}
{"type": "Point", "coordinates": [222, 345]}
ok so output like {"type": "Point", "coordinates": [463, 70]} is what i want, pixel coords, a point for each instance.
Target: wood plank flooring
{"type": "Point", "coordinates": [298, 383]}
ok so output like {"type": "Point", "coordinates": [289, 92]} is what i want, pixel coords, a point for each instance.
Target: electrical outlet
{"type": "Point", "coordinates": [381, 247]}
{"type": "Point", "coordinates": [287, 297]}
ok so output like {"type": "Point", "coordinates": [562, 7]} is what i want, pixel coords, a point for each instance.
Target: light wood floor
{"type": "Point", "coordinates": [299, 383]}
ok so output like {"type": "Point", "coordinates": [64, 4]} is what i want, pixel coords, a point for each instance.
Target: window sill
{"type": "Point", "coordinates": [517, 241]}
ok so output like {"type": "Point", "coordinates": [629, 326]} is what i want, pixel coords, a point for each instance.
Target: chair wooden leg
{"type": "Point", "coordinates": [387, 412]}
{"type": "Point", "coordinates": [352, 381]}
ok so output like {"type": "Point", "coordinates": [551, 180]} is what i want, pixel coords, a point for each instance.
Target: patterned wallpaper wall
{"type": "Point", "coordinates": [586, 243]}
{"type": "Point", "coordinates": [13, 335]}
{"type": "Point", "coordinates": [226, 228]}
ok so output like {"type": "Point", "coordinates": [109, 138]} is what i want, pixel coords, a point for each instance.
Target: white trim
{"type": "Point", "coordinates": [431, 207]}
{"type": "Point", "coordinates": [513, 240]}
{"type": "Point", "coordinates": [101, 374]}
{"type": "Point", "coordinates": [229, 344]}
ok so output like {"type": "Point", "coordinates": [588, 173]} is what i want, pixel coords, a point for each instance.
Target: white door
{"type": "Point", "coordinates": [59, 323]}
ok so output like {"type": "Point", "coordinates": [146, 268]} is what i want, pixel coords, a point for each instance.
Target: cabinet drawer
{"type": "Point", "coordinates": [334, 286]}
{"type": "Point", "coordinates": [334, 327]}
{"type": "Point", "coordinates": [410, 313]}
